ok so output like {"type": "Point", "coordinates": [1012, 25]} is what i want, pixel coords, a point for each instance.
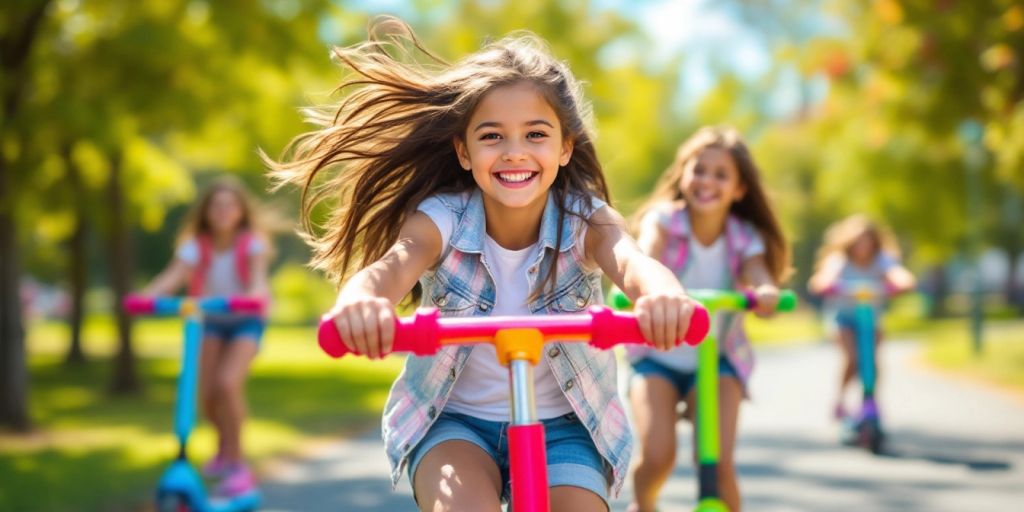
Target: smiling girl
{"type": "Point", "coordinates": [709, 220]}
{"type": "Point", "coordinates": [477, 187]}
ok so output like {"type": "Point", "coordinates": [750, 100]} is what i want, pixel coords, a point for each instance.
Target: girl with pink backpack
{"type": "Point", "coordinates": [222, 252]}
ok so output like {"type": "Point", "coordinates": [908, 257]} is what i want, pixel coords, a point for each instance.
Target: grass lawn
{"type": "Point", "coordinates": [93, 451]}
{"type": "Point", "coordinates": [1001, 361]}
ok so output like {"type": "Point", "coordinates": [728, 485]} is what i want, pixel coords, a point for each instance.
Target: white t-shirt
{"type": "Point", "coordinates": [482, 389]}
{"type": "Point", "coordinates": [707, 267]}
{"type": "Point", "coordinates": [222, 276]}
{"type": "Point", "coordinates": [851, 274]}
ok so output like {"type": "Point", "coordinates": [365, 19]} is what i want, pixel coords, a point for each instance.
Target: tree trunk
{"type": "Point", "coordinates": [126, 378]}
{"type": "Point", "coordinates": [938, 291]}
{"type": "Point", "coordinates": [77, 272]}
{"type": "Point", "coordinates": [15, 48]}
{"type": "Point", "coordinates": [1014, 297]}
{"type": "Point", "coordinates": [13, 371]}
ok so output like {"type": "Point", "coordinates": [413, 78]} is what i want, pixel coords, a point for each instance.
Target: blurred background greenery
{"type": "Point", "coordinates": [115, 113]}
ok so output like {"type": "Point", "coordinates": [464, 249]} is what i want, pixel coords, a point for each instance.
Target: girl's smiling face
{"type": "Point", "coordinates": [224, 212]}
{"type": "Point", "coordinates": [711, 182]}
{"type": "Point", "coordinates": [513, 145]}
{"type": "Point", "coordinates": [863, 249]}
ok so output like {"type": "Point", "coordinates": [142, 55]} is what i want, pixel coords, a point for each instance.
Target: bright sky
{"type": "Point", "coordinates": [708, 35]}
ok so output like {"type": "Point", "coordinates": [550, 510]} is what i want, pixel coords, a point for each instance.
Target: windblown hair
{"type": "Point", "coordinates": [389, 143]}
{"type": "Point", "coordinates": [842, 234]}
{"type": "Point", "coordinates": [754, 207]}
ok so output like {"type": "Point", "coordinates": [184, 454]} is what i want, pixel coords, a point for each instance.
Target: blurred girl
{"type": "Point", "coordinates": [710, 221]}
{"type": "Point", "coordinates": [223, 252]}
{"type": "Point", "coordinates": [855, 251]}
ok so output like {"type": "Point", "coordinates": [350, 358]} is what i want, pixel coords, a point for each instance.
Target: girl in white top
{"type": "Point", "coordinates": [221, 253]}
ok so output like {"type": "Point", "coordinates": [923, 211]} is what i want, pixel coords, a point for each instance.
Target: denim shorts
{"type": "Point", "coordinates": [683, 381]}
{"type": "Point", "coordinates": [572, 457]}
{"type": "Point", "coordinates": [231, 328]}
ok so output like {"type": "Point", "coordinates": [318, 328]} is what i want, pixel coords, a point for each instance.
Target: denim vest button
{"type": "Point", "coordinates": [554, 352]}
{"type": "Point", "coordinates": [580, 302]}
{"type": "Point", "coordinates": [484, 307]}
{"type": "Point", "coordinates": [442, 301]}
{"type": "Point", "coordinates": [568, 384]}
{"type": "Point", "coordinates": [432, 412]}
{"type": "Point", "coordinates": [451, 374]}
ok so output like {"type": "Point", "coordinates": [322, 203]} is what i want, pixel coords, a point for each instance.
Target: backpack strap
{"type": "Point", "coordinates": [677, 248]}
{"type": "Point", "coordinates": [197, 281]}
{"type": "Point", "coordinates": [242, 245]}
{"type": "Point", "coordinates": [738, 235]}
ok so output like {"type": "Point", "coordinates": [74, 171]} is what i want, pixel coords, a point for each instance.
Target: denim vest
{"type": "Point", "coordinates": [738, 235]}
{"type": "Point", "coordinates": [463, 285]}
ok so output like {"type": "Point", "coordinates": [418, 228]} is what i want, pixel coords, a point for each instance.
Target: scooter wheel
{"type": "Point", "coordinates": [870, 437]}
{"type": "Point", "coordinates": [173, 503]}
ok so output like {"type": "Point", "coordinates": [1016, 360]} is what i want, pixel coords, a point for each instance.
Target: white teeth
{"type": "Point", "coordinates": [515, 177]}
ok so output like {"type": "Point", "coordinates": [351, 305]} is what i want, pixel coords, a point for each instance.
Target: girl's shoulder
{"type": "Point", "coordinates": [187, 250]}
{"type": "Point", "coordinates": [454, 202]}
{"type": "Point", "coordinates": [744, 227]}
{"type": "Point", "coordinates": [256, 243]}
{"type": "Point", "coordinates": [583, 204]}
{"type": "Point", "coordinates": [666, 215]}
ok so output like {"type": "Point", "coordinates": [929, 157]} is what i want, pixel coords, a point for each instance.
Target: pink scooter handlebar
{"type": "Point", "coordinates": [425, 332]}
{"type": "Point", "coordinates": [143, 305]}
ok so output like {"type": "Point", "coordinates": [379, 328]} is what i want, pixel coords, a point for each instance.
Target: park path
{"type": "Point", "coordinates": [953, 446]}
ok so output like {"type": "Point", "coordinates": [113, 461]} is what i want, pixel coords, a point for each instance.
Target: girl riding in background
{"type": "Point", "coordinates": [477, 187]}
{"type": "Point", "coordinates": [710, 221]}
{"type": "Point", "coordinates": [223, 252]}
{"type": "Point", "coordinates": [855, 251]}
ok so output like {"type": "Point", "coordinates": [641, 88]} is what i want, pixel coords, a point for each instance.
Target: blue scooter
{"type": "Point", "coordinates": [864, 429]}
{"type": "Point", "coordinates": [181, 488]}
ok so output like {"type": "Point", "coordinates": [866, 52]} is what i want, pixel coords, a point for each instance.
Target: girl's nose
{"type": "Point", "coordinates": [513, 152]}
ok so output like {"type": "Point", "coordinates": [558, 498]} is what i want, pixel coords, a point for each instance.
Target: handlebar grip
{"type": "Point", "coordinates": [416, 334]}
{"type": "Point", "coordinates": [611, 328]}
{"type": "Point", "coordinates": [139, 305]}
{"type": "Point", "coordinates": [246, 304]}
{"type": "Point", "coordinates": [787, 301]}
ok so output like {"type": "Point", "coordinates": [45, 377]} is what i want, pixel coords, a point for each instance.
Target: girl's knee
{"type": "Point", "coordinates": [657, 458]}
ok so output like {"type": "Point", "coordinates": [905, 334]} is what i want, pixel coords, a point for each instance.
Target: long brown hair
{"type": "Point", "coordinates": [754, 207]}
{"type": "Point", "coordinates": [389, 143]}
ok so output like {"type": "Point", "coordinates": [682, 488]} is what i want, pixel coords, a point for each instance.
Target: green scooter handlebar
{"type": "Point", "coordinates": [715, 300]}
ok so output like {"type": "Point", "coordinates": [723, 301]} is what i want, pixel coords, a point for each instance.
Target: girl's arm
{"type": "Point", "coordinates": [169, 280]}
{"type": "Point", "coordinates": [259, 268]}
{"type": "Point", "coordinates": [754, 273]}
{"type": "Point", "coordinates": [651, 239]}
{"type": "Point", "coordinates": [364, 312]}
{"type": "Point", "coordinates": [661, 304]}
{"type": "Point", "coordinates": [826, 275]}
{"type": "Point", "coordinates": [900, 279]}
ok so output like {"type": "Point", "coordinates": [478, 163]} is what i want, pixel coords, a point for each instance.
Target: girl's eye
{"type": "Point", "coordinates": [490, 136]}
{"type": "Point", "coordinates": [536, 135]}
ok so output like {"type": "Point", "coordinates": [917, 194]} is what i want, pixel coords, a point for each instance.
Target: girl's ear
{"type": "Point", "coordinates": [462, 152]}
{"type": "Point", "coordinates": [567, 147]}
{"type": "Point", "coordinates": [741, 192]}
